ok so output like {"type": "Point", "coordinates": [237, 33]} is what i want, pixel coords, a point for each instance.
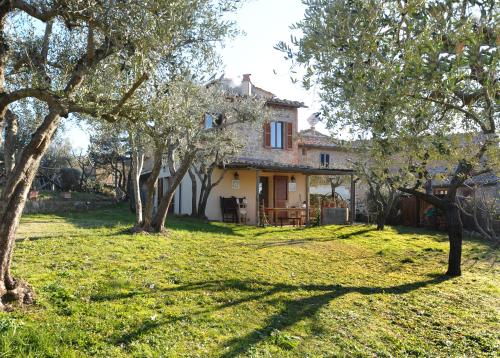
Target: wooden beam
{"type": "Point", "coordinates": [352, 210]}
{"type": "Point", "coordinates": [308, 183]}
{"type": "Point", "coordinates": [257, 203]}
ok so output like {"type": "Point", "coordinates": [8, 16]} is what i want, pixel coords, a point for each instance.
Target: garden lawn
{"type": "Point", "coordinates": [212, 290]}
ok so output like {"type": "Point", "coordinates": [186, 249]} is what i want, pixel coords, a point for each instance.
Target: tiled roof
{"type": "Point", "coordinates": [312, 138]}
{"type": "Point", "coordinates": [241, 162]}
{"type": "Point", "coordinates": [286, 102]}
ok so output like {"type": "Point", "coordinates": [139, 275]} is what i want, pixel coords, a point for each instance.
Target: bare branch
{"type": "Point", "coordinates": [431, 199]}
{"type": "Point", "coordinates": [46, 42]}
{"type": "Point", "coordinates": [90, 45]}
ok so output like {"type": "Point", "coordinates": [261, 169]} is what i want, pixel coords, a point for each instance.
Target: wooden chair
{"type": "Point", "coordinates": [229, 209]}
{"type": "Point", "coordinates": [281, 216]}
{"type": "Point", "coordinates": [295, 218]}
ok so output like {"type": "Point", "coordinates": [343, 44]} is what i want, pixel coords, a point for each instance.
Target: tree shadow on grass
{"type": "Point", "coordinates": [348, 235]}
{"type": "Point", "coordinates": [119, 232]}
{"type": "Point", "coordinates": [280, 230]}
{"type": "Point", "coordinates": [297, 310]}
{"type": "Point", "coordinates": [294, 310]}
{"type": "Point", "coordinates": [197, 225]}
{"type": "Point", "coordinates": [300, 241]}
{"type": "Point", "coordinates": [291, 242]}
{"type": "Point", "coordinates": [109, 218]}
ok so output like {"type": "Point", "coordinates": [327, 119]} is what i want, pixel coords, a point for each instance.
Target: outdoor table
{"type": "Point", "coordinates": [295, 214]}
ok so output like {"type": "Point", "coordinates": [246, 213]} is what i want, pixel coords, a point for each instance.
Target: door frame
{"type": "Point", "coordinates": [264, 181]}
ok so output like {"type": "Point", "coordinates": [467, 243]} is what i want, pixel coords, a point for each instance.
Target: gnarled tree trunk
{"type": "Point", "coordinates": [455, 236]}
{"type": "Point", "coordinates": [158, 224]}
{"type": "Point", "coordinates": [194, 191]}
{"type": "Point", "coordinates": [206, 188]}
{"type": "Point", "coordinates": [151, 184]}
{"type": "Point", "coordinates": [381, 220]}
{"type": "Point", "coordinates": [11, 128]}
{"type": "Point", "coordinates": [12, 203]}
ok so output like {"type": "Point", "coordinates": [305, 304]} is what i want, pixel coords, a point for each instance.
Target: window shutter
{"type": "Point", "coordinates": [289, 132]}
{"type": "Point", "coordinates": [267, 135]}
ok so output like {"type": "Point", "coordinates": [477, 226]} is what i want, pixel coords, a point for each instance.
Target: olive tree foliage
{"type": "Point", "coordinates": [421, 70]}
{"type": "Point", "coordinates": [60, 54]}
{"type": "Point", "coordinates": [177, 135]}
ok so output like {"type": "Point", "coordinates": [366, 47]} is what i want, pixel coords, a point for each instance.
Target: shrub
{"type": "Point", "coordinates": [70, 178]}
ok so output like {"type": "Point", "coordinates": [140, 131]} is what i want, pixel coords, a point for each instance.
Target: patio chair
{"type": "Point", "coordinates": [281, 216]}
{"type": "Point", "coordinates": [295, 218]}
{"type": "Point", "coordinates": [229, 209]}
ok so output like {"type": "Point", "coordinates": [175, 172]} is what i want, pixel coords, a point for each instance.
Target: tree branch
{"type": "Point", "coordinates": [431, 199]}
{"type": "Point", "coordinates": [33, 11]}
{"type": "Point", "coordinates": [44, 95]}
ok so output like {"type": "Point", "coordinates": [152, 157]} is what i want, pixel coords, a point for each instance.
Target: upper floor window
{"type": "Point", "coordinates": [213, 120]}
{"type": "Point", "coordinates": [278, 135]}
{"type": "Point", "coordinates": [324, 160]}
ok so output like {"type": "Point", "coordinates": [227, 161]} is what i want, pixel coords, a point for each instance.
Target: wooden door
{"type": "Point", "coordinates": [280, 191]}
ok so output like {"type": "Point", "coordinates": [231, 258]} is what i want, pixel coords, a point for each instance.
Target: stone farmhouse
{"type": "Point", "coordinates": [273, 170]}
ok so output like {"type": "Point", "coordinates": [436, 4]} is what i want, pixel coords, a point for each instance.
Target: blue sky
{"type": "Point", "coordinates": [265, 23]}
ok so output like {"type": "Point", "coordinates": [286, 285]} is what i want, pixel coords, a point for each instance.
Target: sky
{"type": "Point", "coordinates": [264, 23]}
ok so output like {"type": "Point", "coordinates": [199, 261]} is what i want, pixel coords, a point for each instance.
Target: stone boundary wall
{"type": "Point", "coordinates": [57, 206]}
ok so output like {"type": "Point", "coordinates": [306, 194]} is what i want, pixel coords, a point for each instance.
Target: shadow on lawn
{"type": "Point", "coordinates": [321, 238]}
{"type": "Point", "coordinates": [356, 233]}
{"type": "Point", "coordinates": [294, 310]}
{"type": "Point", "coordinates": [120, 215]}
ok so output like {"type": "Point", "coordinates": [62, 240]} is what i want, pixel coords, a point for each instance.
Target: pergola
{"type": "Point", "coordinates": [262, 166]}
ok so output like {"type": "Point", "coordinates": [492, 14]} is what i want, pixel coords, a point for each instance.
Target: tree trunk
{"type": "Point", "coordinates": [12, 204]}
{"type": "Point", "coordinates": [123, 183]}
{"type": "Point", "coordinates": [201, 204]}
{"type": "Point", "coordinates": [151, 185]}
{"type": "Point", "coordinates": [137, 164]}
{"type": "Point", "coordinates": [202, 207]}
{"type": "Point", "coordinates": [380, 221]}
{"type": "Point", "coordinates": [455, 236]}
{"type": "Point", "coordinates": [206, 189]}
{"type": "Point", "coordinates": [194, 195]}
{"type": "Point", "coordinates": [453, 223]}
{"type": "Point", "coordinates": [11, 128]}
{"type": "Point", "coordinates": [158, 224]}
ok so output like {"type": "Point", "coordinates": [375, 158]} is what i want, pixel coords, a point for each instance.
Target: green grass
{"type": "Point", "coordinates": [212, 290]}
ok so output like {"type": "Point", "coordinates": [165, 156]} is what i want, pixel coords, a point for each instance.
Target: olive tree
{"type": "Point", "coordinates": [61, 55]}
{"type": "Point", "coordinates": [178, 134]}
{"type": "Point", "coordinates": [430, 69]}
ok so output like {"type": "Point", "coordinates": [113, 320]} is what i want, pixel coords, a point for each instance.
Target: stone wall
{"type": "Point", "coordinates": [58, 206]}
{"type": "Point", "coordinates": [253, 138]}
{"type": "Point", "coordinates": [339, 158]}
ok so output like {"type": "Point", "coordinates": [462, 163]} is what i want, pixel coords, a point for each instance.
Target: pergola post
{"type": "Point", "coordinates": [308, 183]}
{"type": "Point", "coordinates": [353, 200]}
{"type": "Point", "coordinates": [257, 203]}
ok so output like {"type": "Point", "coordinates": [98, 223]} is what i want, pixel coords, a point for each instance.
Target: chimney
{"type": "Point", "coordinates": [246, 84]}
